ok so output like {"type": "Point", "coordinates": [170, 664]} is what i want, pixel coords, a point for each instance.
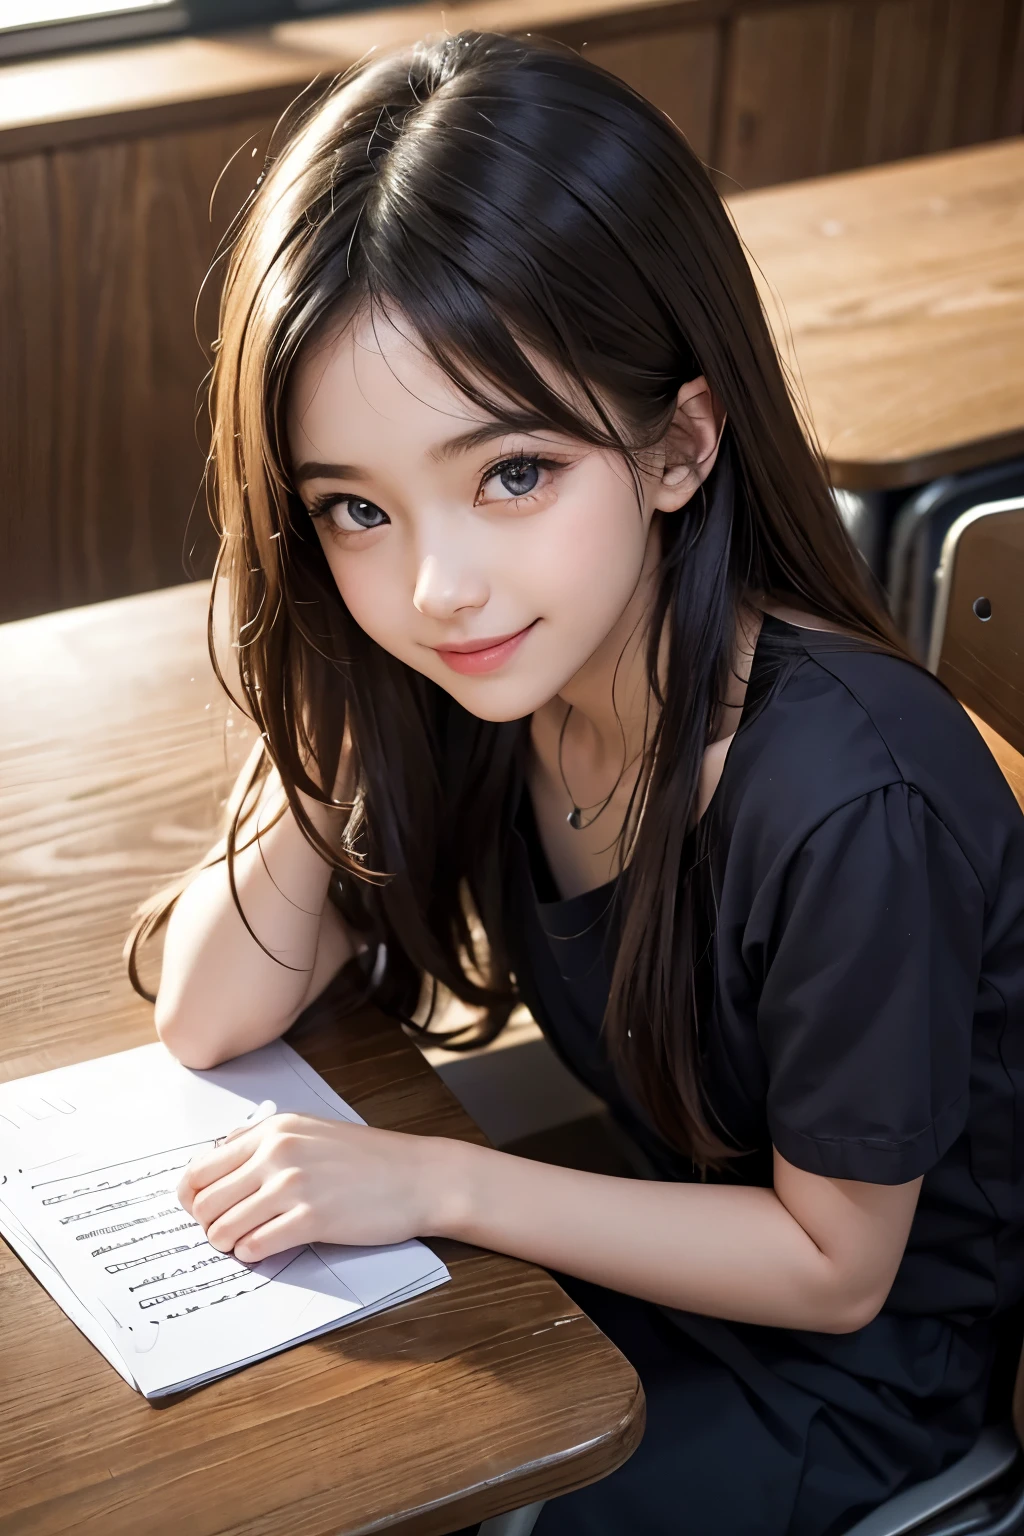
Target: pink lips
{"type": "Point", "coordinates": [486, 657]}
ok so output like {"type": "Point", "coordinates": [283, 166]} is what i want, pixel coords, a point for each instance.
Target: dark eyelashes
{"type": "Point", "coordinates": [514, 461]}
{"type": "Point", "coordinates": [324, 504]}
{"type": "Point", "coordinates": [518, 461]}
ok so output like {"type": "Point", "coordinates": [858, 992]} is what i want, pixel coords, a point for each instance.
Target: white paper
{"type": "Point", "coordinates": [90, 1159]}
{"type": "Point", "coordinates": [18, 1239]}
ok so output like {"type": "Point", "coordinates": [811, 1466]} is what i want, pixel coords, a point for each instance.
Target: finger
{"type": "Point", "coordinates": [285, 1231]}
{"type": "Point", "coordinates": [211, 1203]}
{"type": "Point", "coordinates": [264, 1111]}
{"type": "Point", "coordinates": [266, 1203]}
{"type": "Point", "coordinates": [218, 1161]}
{"type": "Point", "coordinates": [233, 1134]}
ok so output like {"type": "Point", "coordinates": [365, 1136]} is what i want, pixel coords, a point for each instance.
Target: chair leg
{"type": "Point", "coordinates": [517, 1522]}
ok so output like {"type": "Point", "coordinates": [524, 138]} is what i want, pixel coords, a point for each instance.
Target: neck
{"type": "Point", "coordinates": [610, 696]}
{"type": "Point", "coordinates": [594, 737]}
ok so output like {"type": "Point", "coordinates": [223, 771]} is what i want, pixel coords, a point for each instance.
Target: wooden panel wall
{"type": "Point", "coordinates": [863, 83]}
{"type": "Point", "coordinates": [677, 70]}
{"type": "Point", "coordinates": [104, 245]}
{"type": "Point", "coordinates": [104, 250]}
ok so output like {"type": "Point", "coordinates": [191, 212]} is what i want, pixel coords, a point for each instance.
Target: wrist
{"type": "Point", "coordinates": [448, 1174]}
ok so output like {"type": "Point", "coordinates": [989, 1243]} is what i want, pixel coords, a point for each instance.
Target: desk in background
{"type": "Point", "coordinates": [898, 293]}
{"type": "Point", "coordinates": [897, 299]}
{"type": "Point", "coordinates": [490, 1393]}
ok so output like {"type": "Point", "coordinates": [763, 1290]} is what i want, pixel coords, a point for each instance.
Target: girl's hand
{"type": "Point", "coordinates": [297, 1179]}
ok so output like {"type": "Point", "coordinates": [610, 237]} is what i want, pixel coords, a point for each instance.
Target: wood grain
{"type": "Point", "coordinates": [491, 1392]}
{"type": "Point", "coordinates": [935, 80]}
{"type": "Point", "coordinates": [863, 83]}
{"type": "Point", "coordinates": [953, 64]}
{"type": "Point", "coordinates": [905, 79]}
{"type": "Point", "coordinates": [982, 659]}
{"type": "Point", "coordinates": [678, 71]}
{"type": "Point", "coordinates": [1011, 763]}
{"type": "Point", "coordinates": [102, 435]}
{"type": "Point", "coordinates": [798, 55]}
{"type": "Point", "coordinates": [1012, 73]}
{"type": "Point", "coordinates": [176, 83]}
{"type": "Point", "coordinates": [897, 297]}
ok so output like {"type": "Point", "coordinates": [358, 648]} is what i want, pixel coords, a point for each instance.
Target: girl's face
{"type": "Point", "coordinates": [497, 562]}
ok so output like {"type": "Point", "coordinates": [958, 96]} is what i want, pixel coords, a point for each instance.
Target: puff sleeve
{"type": "Point", "coordinates": [870, 978]}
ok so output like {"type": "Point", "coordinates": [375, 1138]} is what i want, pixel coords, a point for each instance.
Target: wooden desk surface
{"type": "Point", "coordinates": [902, 297]}
{"type": "Point", "coordinates": [489, 1393]}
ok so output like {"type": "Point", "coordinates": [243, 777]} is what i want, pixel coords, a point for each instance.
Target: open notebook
{"type": "Point", "coordinates": [90, 1157]}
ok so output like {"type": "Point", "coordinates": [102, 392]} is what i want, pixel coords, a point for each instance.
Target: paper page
{"type": "Point", "coordinates": [110, 1098]}
{"type": "Point", "coordinates": [16, 1238]}
{"type": "Point", "coordinates": [91, 1157]}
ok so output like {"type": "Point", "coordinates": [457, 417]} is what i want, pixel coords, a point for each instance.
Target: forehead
{"type": "Point", "coordinates": [371, 374]}
{"type": "Point", "coordinates": [368, 375]}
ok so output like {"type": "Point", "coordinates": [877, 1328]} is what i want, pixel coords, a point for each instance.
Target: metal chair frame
{"type": "Point", "coordinates": [918, 534]}
{"type": "Point", "coordinates": [518, 1522]}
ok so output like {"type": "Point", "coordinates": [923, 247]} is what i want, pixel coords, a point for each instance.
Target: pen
{"type": "Point", "coordinates": [261, 1112]}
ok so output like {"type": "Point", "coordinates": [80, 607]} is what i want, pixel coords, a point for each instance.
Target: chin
{"type": "Point", "coordinates": [498, 711]}
{"type": "Point", "coordinates": [498, 700]}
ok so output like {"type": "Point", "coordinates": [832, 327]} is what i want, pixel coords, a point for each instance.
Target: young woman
{"type": "Point", "coordinates": [541, 604]}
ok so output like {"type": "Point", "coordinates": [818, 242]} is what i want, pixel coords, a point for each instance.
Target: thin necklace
{"type": "Point", "coordinates": [575, 816]}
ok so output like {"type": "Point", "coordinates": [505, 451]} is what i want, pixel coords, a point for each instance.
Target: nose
{"type": "Point", "coordinates": [443, 588]}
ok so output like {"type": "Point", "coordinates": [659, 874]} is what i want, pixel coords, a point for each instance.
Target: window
{"type": "Point", "coordinates": [40, 26]}
{"type": "Point", "coordinates": [37, 13]}
{"type": "Point", "coordinates": [30, 27]}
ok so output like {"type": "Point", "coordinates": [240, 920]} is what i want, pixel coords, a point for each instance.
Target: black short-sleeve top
{"type": "Point", "coordinates": [865, 1013]}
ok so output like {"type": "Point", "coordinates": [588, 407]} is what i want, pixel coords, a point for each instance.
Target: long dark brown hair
{"type": "Point", "coordinates": [513, 203]}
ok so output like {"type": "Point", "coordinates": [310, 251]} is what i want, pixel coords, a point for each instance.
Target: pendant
{"type": "Point", "coordinates": [575, 819]}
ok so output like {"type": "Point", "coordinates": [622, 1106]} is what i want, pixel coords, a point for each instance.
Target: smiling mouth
{"type": "Point", "coordinates": [482, 655]}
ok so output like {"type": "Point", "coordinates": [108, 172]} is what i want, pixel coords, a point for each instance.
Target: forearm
{"type": "Point", "coordinates": [723, 1250]}
{"type": "Point", "coordinates": [220, 992]}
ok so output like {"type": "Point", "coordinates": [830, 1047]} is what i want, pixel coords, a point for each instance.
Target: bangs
{"type": "Point", "coordinates": [499, 373]}
{"type": "Point", "coordinates": [515, 281]}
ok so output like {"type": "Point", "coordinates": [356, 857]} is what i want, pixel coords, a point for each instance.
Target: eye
{"type": "Point", "coordinates": [349, 514]}
{"type": "Point", "coordinates": [516, 477]}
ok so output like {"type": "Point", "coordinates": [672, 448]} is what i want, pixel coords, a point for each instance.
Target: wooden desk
{"type": "Point", "coordinates": [487, 1394]}
{"type": "Point", "coordinates": [900, 291]}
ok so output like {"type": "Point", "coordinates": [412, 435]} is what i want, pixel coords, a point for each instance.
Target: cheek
{"type": "Point", "coordinates": [596, 548]}
{"type": "Point", "coordinates": [367, 592]}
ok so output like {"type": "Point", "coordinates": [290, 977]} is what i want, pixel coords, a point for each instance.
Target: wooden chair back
{"type": "Point", "coordinates": [977, 646]}
{"type": "Point", "coordinates": [977, 650]}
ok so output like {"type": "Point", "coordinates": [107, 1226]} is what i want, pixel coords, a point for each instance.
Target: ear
{"type": "Point", "coordinates": [690, 445]}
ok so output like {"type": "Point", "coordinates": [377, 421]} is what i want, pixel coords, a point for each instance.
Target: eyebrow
{"type": "Point", "coordinates": [314, 469]}
{"type": "Point", "coordinates": [486, 433]}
